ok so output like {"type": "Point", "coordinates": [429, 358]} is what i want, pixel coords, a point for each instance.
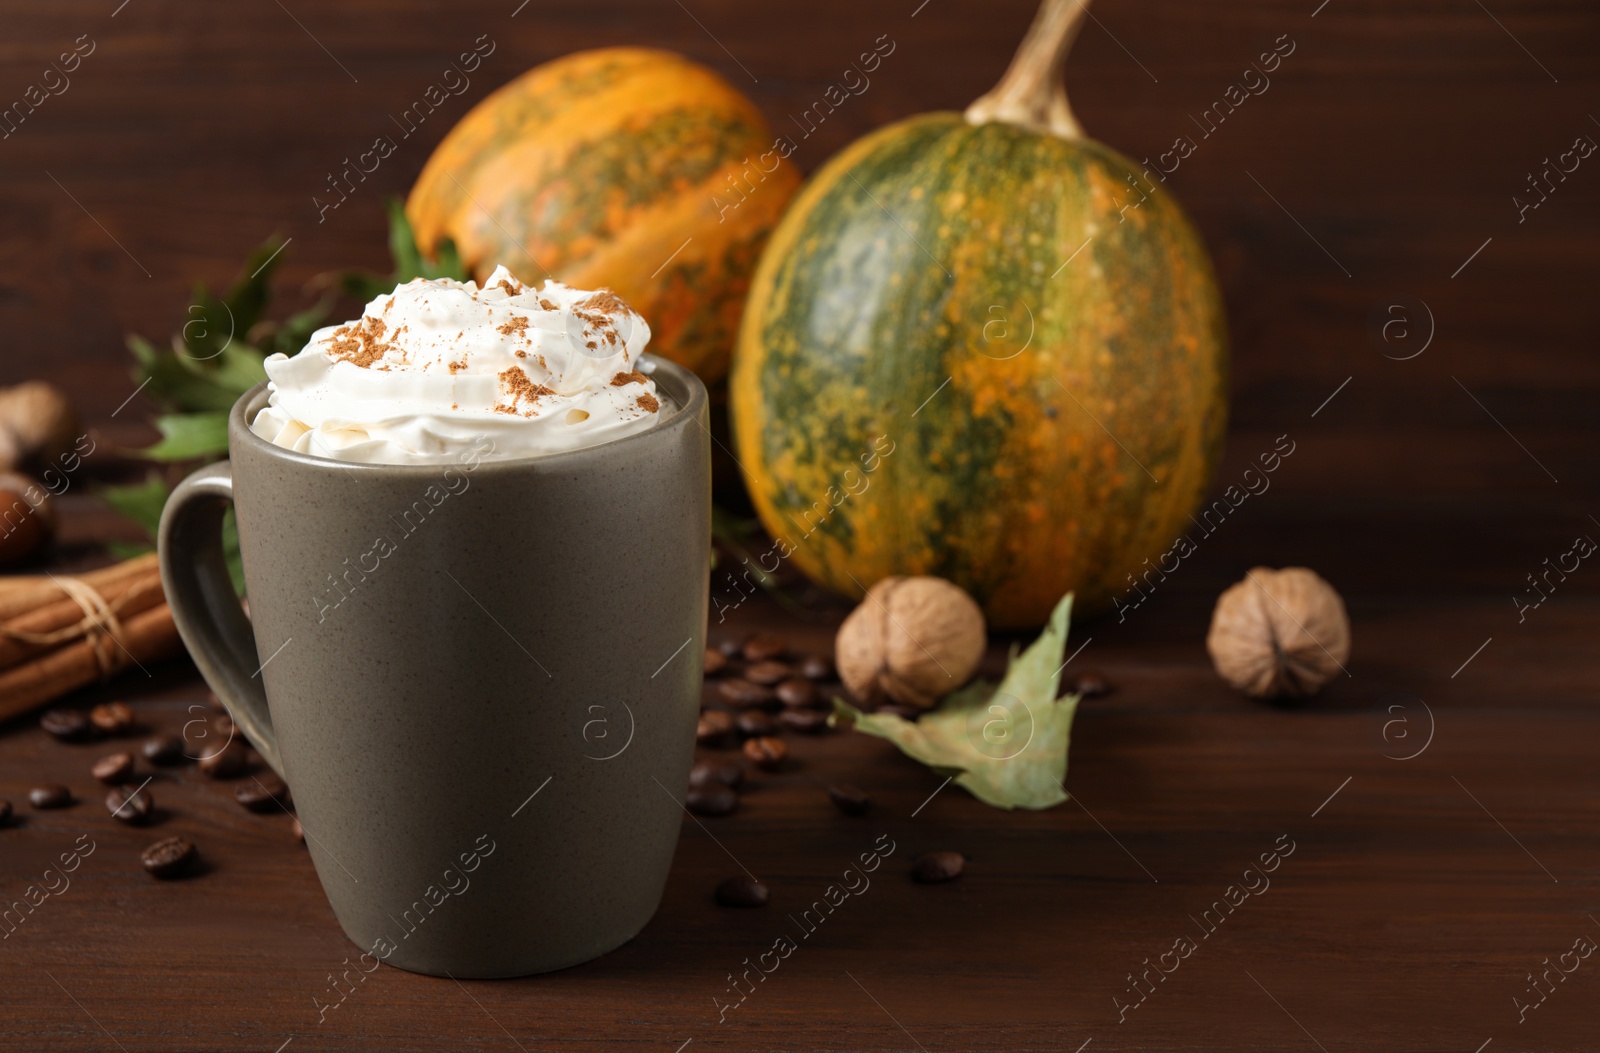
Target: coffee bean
{"type": "Point", "coordinates": [229, 762]}
{"type": "Point", "coordinates": [221, 730]}
{"type": "Point", "coordinates": [766, 753]}
{"type": "Point", "coordinates": [113, 718]}
{"type": "Point", "coordinates": [851, 800]}
{"type": "Point", "coordinates": [131, 806]}
{"type": "Point", "coordinates": [298, 830]}
{"type": "Point", "coordinates": [68, 725]}
{"type": "Point", "coordinates": [716, 662]}
{"type": "Point", "coordinates": [764, 648]}
{"type": "Point", "coordinates": [804, 721]}
{"type": "Point", "coordinates": [712, 800]}
{"type": "Point", "coordinates": [742, 892]}
{"type": "Point", "coordinates": [753, 723]}
{"type": "Point", "coordinates": [163, 749]}
{"type": "Point", "coordinates": [730, 646]}
{"type": "Point", "coordinates": [931, 868]}
{"type": "Point", "coordinates": [1092, 683]}
{"type": "Point", "coordinates": [114, 768]}
{"type": "Point", "coordinates": [266, 793]}
{"type": "Point", "coordinates": [766, 673]}
{"type": "Point", "coordinates": [729, 775]}
{"type": "Point", "coordinates": [169, 858]}
{"type": "Point", "coordinates": [742, 693]}
{"type": "Point", "coordinates": [5, 812]}
{"type": "Point", "coordinates": [817, 667]}
{"type": "Point", "coordinates": [715, 728]}
{"type": "Point", "coordinates": [796, 692]}
{"type": "Point", "coordinates": [51, 795]}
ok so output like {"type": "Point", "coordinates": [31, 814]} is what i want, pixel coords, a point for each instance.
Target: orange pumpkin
{"type": "Point", "coordinates": [628, 168]}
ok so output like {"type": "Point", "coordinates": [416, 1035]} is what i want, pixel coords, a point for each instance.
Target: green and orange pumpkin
{"type": "Point", "coordinates": [983, 347]}
{"type": "Point", "coordinates": [629, 168]}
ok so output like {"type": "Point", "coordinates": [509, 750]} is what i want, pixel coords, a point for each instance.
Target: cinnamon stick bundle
{"type": "Point", "coordinates": [59, 633]}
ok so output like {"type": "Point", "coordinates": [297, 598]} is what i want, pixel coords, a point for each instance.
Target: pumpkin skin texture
{"type": "Point", "coordinates": [597, 169]}
{"type": "Point", "coordinates": [1053, 423]}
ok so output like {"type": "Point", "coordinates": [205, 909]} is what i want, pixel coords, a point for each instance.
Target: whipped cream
{"type": "Point", "coordinates": [438, 366]}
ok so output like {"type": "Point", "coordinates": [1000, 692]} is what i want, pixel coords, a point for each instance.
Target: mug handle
{"type": "Point", "coordinates": [207, 612]}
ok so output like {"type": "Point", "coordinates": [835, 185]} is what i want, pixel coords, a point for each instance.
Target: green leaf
{"type": "Point", "coordinates": [403, 244]}
{"type": "Point", "coordinates": [247, 299]}
{"type": "Point", "coordinates": [189, 436]}
{"type": "Point", "coordinates": [140, 502]}
{"type": "Point", "coordinates": [1007, 746]}
{"type": "Point", "coordinates": [239, 368]}
{"type": "Point", "coordinates": [447, 262]}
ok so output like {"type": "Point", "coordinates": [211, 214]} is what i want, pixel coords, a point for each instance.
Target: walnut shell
{"type": "Point", "coordinates": [41, 423]}
{"type": "Point", "coordinates": [27, 518]}
{"type": "Point", "coordinates": [1279, 633]}
{"type": "Point", "coordinates": [911, 641]}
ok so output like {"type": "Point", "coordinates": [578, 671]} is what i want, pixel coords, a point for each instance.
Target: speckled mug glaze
{"type": "Point", "coordinates": [487, 722]}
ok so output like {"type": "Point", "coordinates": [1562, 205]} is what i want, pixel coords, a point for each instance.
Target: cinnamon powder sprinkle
{"type": "Point", "coordinates": [515, 326]}
{"type": "Point", "coordinates": [624, 379]}
{"type": "Point", "coordinates": [520, 386]}
{"type": "Point", "coordinates": [648, 403]}
{"type": "Point", "coordinates": [360, 344]}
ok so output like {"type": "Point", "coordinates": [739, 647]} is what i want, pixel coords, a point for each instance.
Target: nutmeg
{"type": "Point", "coordinates": [911, 641]}
{"type": "Point", "coordinates": [1279, 633]}
{"type": "Point", "coordinates": [27, 519]}
{"type": "Point", "coordinates": [38, 423]}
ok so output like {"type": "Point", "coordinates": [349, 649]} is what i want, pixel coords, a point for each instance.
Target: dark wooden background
{"type": "Point", "coordinates": [1396, 135]}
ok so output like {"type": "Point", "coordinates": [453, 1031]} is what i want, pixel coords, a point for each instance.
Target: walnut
{"type": "Point", "coordinates": [911, 641]}
{"type": "Point", "coordinates": [27, 520]}
{"type": "Point", "coordinates": [38, 423]}
{"type": "Point", "coordinates": [1279, 633]}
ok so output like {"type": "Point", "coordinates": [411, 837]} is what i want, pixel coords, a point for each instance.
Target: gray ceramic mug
{"type": "Point", "coordinates": [481, 680]}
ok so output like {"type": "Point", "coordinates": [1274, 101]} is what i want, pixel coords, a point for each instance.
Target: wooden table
{"type": "Point", "coordinates": [1418, 895]}
{"type": "Point", "coordinates": [1421, 893]}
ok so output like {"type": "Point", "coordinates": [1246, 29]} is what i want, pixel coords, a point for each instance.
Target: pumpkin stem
{"type": "Point", "coordinates": [1032, 93]}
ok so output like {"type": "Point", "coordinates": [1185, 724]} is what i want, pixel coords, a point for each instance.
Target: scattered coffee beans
{"type": "Point", "coordinates": [163, 750]}
{"type": "Point", "coordinates": [265, 793]}
{"type": "Point", "coordinates": [114, 768]}
{"type": "Point", "coordinates": [169, 858]}
{"type": "Point", "coordinates": [742, 693]}
{"type": "Point", "coordinates": [742, 892]}
{"type": "Point", "coordinates": [68, 725]}
{"type": "Point", "coordinates": [51, 795]}
{"type": "Point", "coordinates": [851, 800]}
{"type": "Point", "coordinates": [805, 721]}
{"type": "Point", "coordinates": [716, 662]}
{"type": "Point", "coordinates": [112, 718]}
{"type": "Point", "coordinates": [729, 775]}
{"type": "Point", "coordinates": [229, 762]}
{"type": "Point", "coordinates": [796, 692]}
{"type": "Point", "coordinates": [753, 723]}
{"type": "Point", "coordinates": [712, 800]}
{"type": "Point", "coordinates": [764, 648]}
{"type": "Point", "coordinates": [766, 673]}
{"type": "Point", "coordinates": [766, 753]}
{"type": "Point", "coordinates": [931, 868]}
{"type": "Point", "coordinates": [131, 806]}
{"type": "Point", "coordinates": [1093, 684]}
{"type": "Point", "coordinates": [817, 667]}
{"type": "Point", "coordinates": [729, 646]}
{"type": "Point", "coordinates": [715, 728]}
